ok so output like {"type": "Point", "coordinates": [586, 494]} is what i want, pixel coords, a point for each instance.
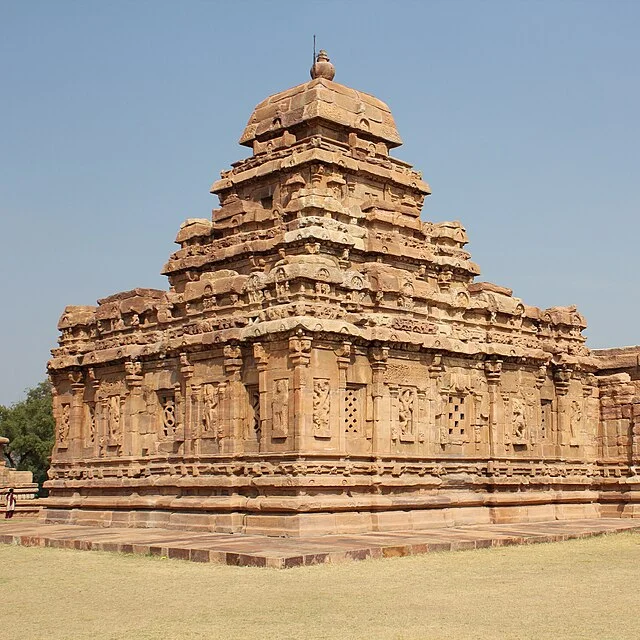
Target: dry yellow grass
{"type": "Point", "coordinates": [578, 589]}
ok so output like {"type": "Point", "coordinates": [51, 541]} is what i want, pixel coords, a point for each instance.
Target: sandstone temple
{"type": "Point", "coordinates": [324, 361]}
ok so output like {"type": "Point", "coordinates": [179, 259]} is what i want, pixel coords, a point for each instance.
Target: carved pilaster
{"type": "Point", "coordinates": [92, 437]}
{"type": "Point", "coordinates": [300, 357]}
{"type": "Point", "coordinates": [261, 358]}
{"type": "Point", "coordinates": [436, 403]}
{"type": "Point", "coordinates": [493, 372]}
{"type": "Point", "coordinates": [76, 412]}
{"type": "Point", "coordinates": [393, 405]}
{"type": "Point", "coordinates": [190, 403]}
{"type": "Point", "coordinates": [562, 380]}
{"type": "Point", "coordinates": [233, 405]}
{"type": "Point", "coordinates": [421, 395]}
{"type": "Point", "coordinates": [378, 357]}
{"type": "Point", "coordinates": [343, 359]}
{"type": "Point", "coordinates": [134, 407]}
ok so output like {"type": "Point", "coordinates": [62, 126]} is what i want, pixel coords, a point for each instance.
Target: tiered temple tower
{"type": "Point", "coordinates": [324, 361]}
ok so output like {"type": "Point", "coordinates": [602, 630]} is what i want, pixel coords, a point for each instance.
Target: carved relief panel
{"type": "Point", "coordinates": [519, 427]}
{"type": "Point", "coordinates": [576, 422]}
{"type": "Point", "coordinates": [211, 423]}
{"type": "Point", "coordinates": [114, 420]}
{"type": "Point", "coordinates": [280, 408]}
{"type": "Point", "coordinates": [321, 408]}
{"type": "Point", "coordinates": [405, 416]}
{"type": "Point", "coordinates": [64, 425]}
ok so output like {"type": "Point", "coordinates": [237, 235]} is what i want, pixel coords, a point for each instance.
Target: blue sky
{"type": "Point", "coordinates": [115, 117]}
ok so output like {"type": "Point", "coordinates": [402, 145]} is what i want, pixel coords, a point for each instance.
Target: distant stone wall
{"type": "Point", "coordinates": [619, 381]}
{"type": "Point", "coordinates": [620, 360]}
{"type": "Point", "coordinates": [21, 482]}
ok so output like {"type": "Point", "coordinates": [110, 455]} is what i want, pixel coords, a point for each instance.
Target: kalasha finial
{"type": "Point", "coordinates": [322, 68]}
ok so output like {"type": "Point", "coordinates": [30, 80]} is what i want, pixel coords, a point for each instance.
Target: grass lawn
{"type": "Point", "coordinates": [578, 589]}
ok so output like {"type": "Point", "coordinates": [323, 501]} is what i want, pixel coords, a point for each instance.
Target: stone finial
{"type": "Point", "coordinates": [322, 68]}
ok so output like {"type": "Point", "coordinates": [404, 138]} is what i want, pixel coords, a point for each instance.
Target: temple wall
{"type": "Point", "coordinates": [292, 397]}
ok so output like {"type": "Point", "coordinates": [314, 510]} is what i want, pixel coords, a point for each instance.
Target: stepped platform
{"type": "Point", "coordinates": [282, 553]}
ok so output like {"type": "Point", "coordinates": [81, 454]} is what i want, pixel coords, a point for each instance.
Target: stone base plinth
{"type": "Point", "coordinates": [450, 510]}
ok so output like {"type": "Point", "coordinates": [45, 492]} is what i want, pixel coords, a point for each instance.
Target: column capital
{"type": "Point", "coordinates": [261, 356]}
{"type": "Point", "coordinates": [493, 370]}
{"type": "Point", "coordinates": [343, 354]}
{"type": "Point", "coordinates": [378, 356]}
{"type": "Point", "coordinates": [300, 349]}
{"type": "Point", "coordinates": [232, 360]}
{"type": "Point", "coordinates": [133, 372]}
{"type": "Point", "coordinates": [562, 378]}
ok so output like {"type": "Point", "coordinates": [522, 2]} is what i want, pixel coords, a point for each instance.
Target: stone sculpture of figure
{"type": "Point", "coordinates": [280, 407]}
{"type": "Point", "coordinates": [576, 419]}
{"type": "Point", "coordinates": [405, 412]}
{"type": "Point", "coordinates": [91, 420]}
{"type": "Point", "coordinates": [210, 414]}
{"type": "Point", "coordinates": [321, 408]}
{"type": "Point", "coordinates": [63, 431]}
{"type": "Point", "coordinates": [519, 419]}
{"type": "Point", "coordinates": [113, 417]}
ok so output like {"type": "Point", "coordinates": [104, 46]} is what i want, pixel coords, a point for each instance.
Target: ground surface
{"type": "Point", "coordinates": [577, 589]}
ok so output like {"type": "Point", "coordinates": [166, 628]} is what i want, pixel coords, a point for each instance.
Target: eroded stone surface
{"type": "Point", "coordinates": [324, 361]}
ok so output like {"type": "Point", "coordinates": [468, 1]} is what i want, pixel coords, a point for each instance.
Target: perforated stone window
{"type": "Point", "coordinates": [456, 418]}
{"type": "Point", "coordinates": [168, 412]}
{"type": "Point", "coordinates": [90, 421]}
{"type": "Point", "coordinates": [545, 418]}
{"type": "Point", "coordinates": [353, 418]}
{"type": "Point", "coordinates": [254, 410]}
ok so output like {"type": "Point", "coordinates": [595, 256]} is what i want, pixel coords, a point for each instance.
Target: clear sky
{"type": "Point", "coordinates": [115, 118]}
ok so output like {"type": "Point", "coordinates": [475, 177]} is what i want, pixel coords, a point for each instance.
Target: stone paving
{"type": "Point", "coordinates": [281, 553]}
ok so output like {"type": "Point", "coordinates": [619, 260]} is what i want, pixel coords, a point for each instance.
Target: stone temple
{"type": "Point", "coordinates": [325, 361]}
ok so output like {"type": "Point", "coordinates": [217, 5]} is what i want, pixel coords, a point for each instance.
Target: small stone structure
{"type": "Point", "coordinates": [20, 481]}
{"type": "Point", "coordinates": [324, 361]}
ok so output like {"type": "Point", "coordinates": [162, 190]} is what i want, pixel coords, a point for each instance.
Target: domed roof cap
{"type": "Point", "coordinates": [322, 99]}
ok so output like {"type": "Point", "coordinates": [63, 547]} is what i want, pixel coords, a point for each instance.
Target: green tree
{"type": "Point", "coordinates": [29, 425]}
